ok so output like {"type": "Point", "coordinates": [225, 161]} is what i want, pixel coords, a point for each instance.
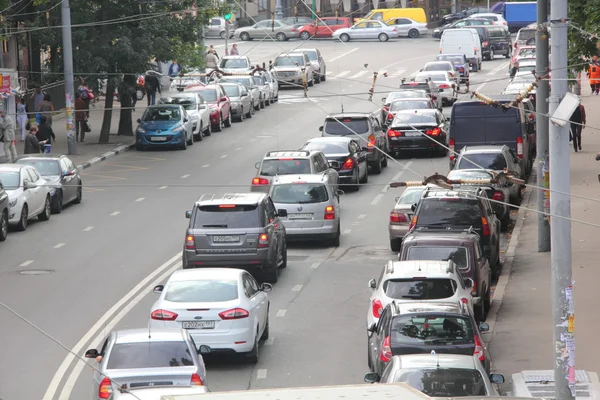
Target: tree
{"type": "Point", "coordinates": [584, 14]}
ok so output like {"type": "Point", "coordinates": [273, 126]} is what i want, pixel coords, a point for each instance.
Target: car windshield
{"type": "Point", "coordinates": [493, 161]}
{"type": "Point", "coordinates": [227, 217]}
{"type": "Point", "coordinates": [420, 288]}
{"type": "Point", "coordinates": [414, 119]}
{"type": "Point", "coordinates": [161, 114]}
{"type": "Point", "coordinates": [452, 59]}
{"type": "Point", "coordinates": [523, 79]}
{"type": "Point", "coordinates": [247, 82]}
{"type": "Point", "coordinates": [44, 167]}
{"type": "Point", "coordinates": [299, 193]}
{"type": "Point", "coordinates": [285, 167]}
{"type": "Point", "coordinates": [288, 61]}
{"type": "Point", "coordinates": [416, 85]}
{"type": "Point", "coordinates": [411, 196]}
{"type": "Point", "coordinates": [430, 329]}
{"type": "Point", "coordinates": [327, 148]}
{"type": "Point", "coordinates": [234, 63]}
{"type": "Point", "coordinates": [442, 253]}
{"type": "Point", "coordinates": [409, 105]}
{"type": "Point", "coordinates": [526, 52]}
{"type": "Point", "coordinates": [406, 94]}
{"type": "Point", "coordinates": [188, 102]}
{"type": "Point", "coordinates": [346, 126]}
{"type": "Point", "coordinates": [527, 68]}
{"type": "Point", "coordinates": [469, 174]}
{"type": "Point", "coordinates": [312, 55]}
{"type": "Point", "coordinates": [232, 91]}
{"type": "Point", "coordinates": [203, 291]}
{"type": "Point", "coordinates": [10, 180]}
{"type": "Point", "coordinates": [258, 80]}
{"type": "Point", "coordinates": [149, 355]}
{"type": "Point", "coordinates": [444, 382]}
{"type": "Point", "coordinates": [449, 212]}
{"type": "Point", "coordinates": [438, 67]}
{"type": "Point", "coordinates": [436, 77]}
{"type": "Point", "coordinates": [209, 95]}
{"type": "Point", "coordinates": [526, 34]}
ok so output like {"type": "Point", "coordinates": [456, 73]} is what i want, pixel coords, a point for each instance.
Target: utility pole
{"type": "Point", "coordinates": [542, 122]}
{"type": "Point", "coordinates": [67, 50]}
{"type": "Point", "coordinates": [563, 322]}
{"type": "Point", "coordinates": [226, 38]}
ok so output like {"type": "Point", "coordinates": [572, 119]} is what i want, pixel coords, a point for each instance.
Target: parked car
{"type": "Point", "coordinates": [250, 84]}
{"type": "Point", "coordinates": [460, 63]}
{"type": "Point", "coordinates": [495, 40]}
{"type": "Point", "coordinates": [420, 130]}
{"type": "Point", "coordinates": [521, 52]}
{"type": "Point", "coordinates": [241, 100]}
{"type": "Point", "coordinates": [218, 102]}
{"type": "Point", "coordinates": [235, 64]}
{"type": "Point", "coordinates": [293, 69]}
{"type": "Point", "coordinates": [428, 86]}
{"type": "Point", "coordinates": [318, 63]}
{"type": "Point", "coordinates": [525, 37]}
{"type": "Point", "coordinates": [408, 27]}
{"type": "Point", "coordinates": [449, 18]}
{"type": "Point", "coordinates": [463, 23]}
{"type": "Point", "coordinates": [323, 27]}
{"type": "Point", "coordinates": [217, 27]}
{"type": "Point", "coordinates": [197, 110]}
{"type": "Point", "coordinates": [367, 30]}
{"type": "Point", "coordinates": [402, 214]}
{"type": "Point", "coordinates": [264, 88]}
{"type": "Point", "coordinates": [164, 125]}
{"type": "Point", "coordinates": [5, 212]}
{"type": "Point", "coordinates": [273, 85]}
{"type": "Point", "coordinates": [271, 29]}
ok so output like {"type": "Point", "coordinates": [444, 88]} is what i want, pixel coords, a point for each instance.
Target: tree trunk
{"type": "Point", "coordinates": [108, 111]}
{"type": "Point", "coordinates": [125, 119]}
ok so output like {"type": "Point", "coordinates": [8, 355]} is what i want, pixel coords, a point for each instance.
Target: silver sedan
{"type": "Point", "coordinates": [267, 29]}
{"type": "Point", "coordinates": [408, 27]}
{"type": "Point", "coordinates": [367, 30]}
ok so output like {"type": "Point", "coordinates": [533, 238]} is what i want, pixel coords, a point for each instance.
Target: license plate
{"type": "Point", "coordinates": [158, 138]}
{"type": "Point", "coordinates": [226, 239]}
{"type": "Point", "coordinates": [199, 325]}
{"type": "Point", "coordinates": [300, 216]}
{"type": "Point", "coordinates": [412, 133]}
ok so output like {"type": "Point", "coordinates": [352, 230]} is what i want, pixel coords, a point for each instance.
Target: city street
{"type": "Point", "coordinates": [92, 268]}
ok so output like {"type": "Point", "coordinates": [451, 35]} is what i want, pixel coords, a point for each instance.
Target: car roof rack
{"type": "Point", "coordinates": [288, 153]}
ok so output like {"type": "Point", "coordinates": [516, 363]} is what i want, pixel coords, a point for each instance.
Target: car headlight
{"type": "Point", "coordinates": [179, 129]}
{"type": "Point", "coordinates": [12, 203]}
{"type": "Point", "coordinates": [140, 130]}
{"type": "Point", "coordinates": [235, 104]}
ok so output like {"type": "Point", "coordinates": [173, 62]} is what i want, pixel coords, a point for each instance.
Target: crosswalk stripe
{"type": "Point", "coordinates": [397, 73]}
{"type": "Point", "coordinates": [358, 75]}
{"type": "Point", "coordinates": [342, 74]}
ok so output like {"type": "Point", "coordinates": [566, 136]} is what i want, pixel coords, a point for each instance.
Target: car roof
{"type": "Point", "coordinates": [144, 335]}
{"type": "Point", "coordinates": [234, 57]}
{"type": "Point", "coordinates": [431, 268]}
{"type": "Point", "coordinates": [299, 178]}
{"type": "Point", "coordinates": [232, 84]}
{"type": "Point", "coordinates": [331, 139]}
{"type": "Point", "coordinates": [441, 307]}
{"type": "Point", "coordinates": [205, 273]}
{"type": "Point", "coordinates": [483, 149]}
{"type": "Point", "coordinates": [437, 62]}
{"type": "Point", "coordinates": [411, 99]}
{"type": "Point", "coordinates": [435, 360]}
{"type": "Point", "coordinates": [419, 110]}
{"type": "Point", "coordinates": [231, 198]}
{"type": "Point", "coordinates": [290, 153]}
{"type": "Point", "coordinates": [444, 238]}
{"type": "Point", "coordinates": [349, 115]}
{"type": "Point", "coordinates": [465, 192]}
{"type": "Point", "coordinates": [12, 167]}
{"type": "Point", "coordinates": [49, 156]}
{"type": "Point", "coordinates": [306, 49]}
{"type": "Point", "coordinates": [204, 87]}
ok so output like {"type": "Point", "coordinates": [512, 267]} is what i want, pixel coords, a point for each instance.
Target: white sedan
{"type": "Point", "coordinates": [196, 108]}
{"type": "Point", "coordinates": [28, 194]}
{"type": "Point", "coordinates": [444, 82]}
{"type": "Point", "coordinates": [408, 27]}
{"type": "Point", "coordinates": [223, 309]}
{"type": "Point", "coordinates": [367, 30]}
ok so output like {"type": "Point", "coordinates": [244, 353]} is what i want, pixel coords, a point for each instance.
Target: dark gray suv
{"type": "Point", "coordinates": [236, 230]}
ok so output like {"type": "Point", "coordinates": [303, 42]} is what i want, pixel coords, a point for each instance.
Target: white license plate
{"type": "Point", "coordinates": [199, 325]}
{"type": "Point", "coordinates": [226, 239]}
{"type": "Point", "coordinates": [412, 133]}
{"type": "Point", "coordinates": [158, 138]}
{"type": "Point", "coordinates": [300, 216]}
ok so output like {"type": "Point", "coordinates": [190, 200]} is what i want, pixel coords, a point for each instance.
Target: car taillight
{"type": "Point", "coordinates": [196, 380]}
{"type": "Point", "coordinates": [234, 313]}
{"type": "Point", "coordinates": [263, 240]}
{"type": "Point", "coordinates": [294, 29]}
{"type": "Point", "coordinates": [503, 22]}
{"type": "Point", "coordinates": [498, 196]}
{"type": "Point", "coordinates": [376, 308]}
{"type": "Point", "coordinates": [461, 69]}
{"type": "Point", "coordinates": [329, 212]}
{"type": "Point", "coordinates": [105, 389]}
{"type": "Point", "coordinates": [385, 108]}
{"type": "Point", "coordinates": [485, 226]}
{"type": "Point", "coordinates": [349, 164]}
{"type": "Point", "coordinates": [393, 133]}
{"type": "Point", "coordinates": [390, 116]}
{"type": "Point", "coordinates": [451, 146]}
{"type": "Point", "coordinates": [485, 43]}
{"type": "Point", "coordinates": [444, 86]}
{"type": "Point", "coordinates": [386, 350]}
{"type": "Point", "coordinates": [163, 315]}
{"type": "Point", "coordinates": [520, 147]}
{"type": "Point", "coordinates": [398, 217]}
{"type": "Point", "coordinates": [434, 131]}
{"type": "Point", "coordinates": [372, 140]}
{"type": "Point", "coordinates": [479, 353]}
{"type": "Point", "coordinates": [190, 244]}
{"type": "Point", "coordinates": [413, 222]}
{"type": "Point", "coordinates": [260, 181]}
{"type": "Point", "coordinates": [464, 300]}
{"type": "Point", "coordinates": [474, 289]}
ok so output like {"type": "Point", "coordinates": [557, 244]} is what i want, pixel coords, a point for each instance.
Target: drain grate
{"type": "Point", "coordinates": [35, 272]}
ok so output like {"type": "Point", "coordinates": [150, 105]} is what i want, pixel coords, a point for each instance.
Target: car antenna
{"type": "Point", "coordinates": [437, 361]}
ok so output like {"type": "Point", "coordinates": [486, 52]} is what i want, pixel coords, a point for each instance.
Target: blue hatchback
{"type": "Point", "coordinates": [165, 125]}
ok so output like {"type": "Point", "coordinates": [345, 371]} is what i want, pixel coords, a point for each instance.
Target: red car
{"type": "Point", "coordinates": [324, 27]}
{"type": "Point", "coordinates": [219, 103]}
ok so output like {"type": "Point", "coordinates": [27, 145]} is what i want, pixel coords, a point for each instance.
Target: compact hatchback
{"type": "Point", "coordinates": [401, 215]}
{"type": "Point", "coordinates": [165, 125]}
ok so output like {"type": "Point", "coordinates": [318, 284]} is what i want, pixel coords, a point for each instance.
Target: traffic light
{"type": "Point", "coordinates": [227, 16]}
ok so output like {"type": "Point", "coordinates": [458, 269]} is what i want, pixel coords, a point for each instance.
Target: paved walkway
{"type": "Point", "coordinates": [522, 336]}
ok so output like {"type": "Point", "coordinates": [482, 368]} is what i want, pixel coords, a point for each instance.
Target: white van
{"type": "Point", "coordinates": [463, 41]}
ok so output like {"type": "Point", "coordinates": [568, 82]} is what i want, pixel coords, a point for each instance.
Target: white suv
{"type": "Point", "coordinates": [410, 281]}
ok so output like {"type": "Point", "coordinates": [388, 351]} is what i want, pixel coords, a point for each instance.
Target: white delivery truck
{"type": "Point", "coordinates": [463, 41]}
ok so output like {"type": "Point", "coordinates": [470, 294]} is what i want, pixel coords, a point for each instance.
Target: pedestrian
{"type": "Point", "coordinates": [514, 70]}
{"type": "Point", "coordinates": [234, 50]}
{"type": "Point", "coordinates": [212, 48]}
{"type": "Point", "coordinates": [594, 75]}
{"type": "Point", "coordinates": [32, 144]}
{"type": "Point", "coordinates": [84, 92]}
{"type": "Point", "coordinates": [174, 69]}
{"type": "Point", "coordinates": [577, 121]}
{"type": "Point", "coordinates": [46, 108]}
{"type": "Point", "coordinates": [38, 97]}
{"type": "Point", "coordinates": [7, 128]}
{"type": "Point", "coordinates": [80, 118]}
{"type": "Point", "coordinates": [22, 117]}
{"type": "Point", "coordinates": [211, 59]}
{"type": "Point", "coordinates": [45, 134]}
{"type": "Point", "coordinates": [152, 85]}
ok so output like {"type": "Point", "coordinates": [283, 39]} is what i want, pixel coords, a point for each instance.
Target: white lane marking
{"type": "Point", "coordinates": [140, 199]}
{"type": "Point", "coordinates": [346, 231]}
{"type": "Point", "coordinates": [397, 73]}
{"type": "Point", "coordinates": [261, 374]}
{"type": "Point", "coordinates": [224, 156]}
{"type": "Point", "coordinates": [498, 68]}
{"type": "Point", "coordinates": [397, 176]}
{"type": "Point", "coordinates": [297, 288]}
{"type": "Point", "coordinates": [342, 74]}
{"type": "Point", "coordinates": [238, 149]}
{"type": "Point", "coordinates": [359, 74]}
{"type": "Point", "coordinates": [162, 187]}
{"type": "Point", "coordinates": [269, 341]}
{"type": "Point", "coordinates": [376, 199]}
{"type": "Point", "coordinates": [26, 263]}
{"type": "Point", "coordinates": [343, 55]}
{"type": "Point", "coordinates": [115, 213]}
{"type": "Point", "coordinates": [58, 246]}
{"type": "Point", "coordinates": [101, 325]}
{"type": "Point", "coordinates": [89, 228]}
{"type": "Point", "coordinates": [185, 176]}
{"type": "Point", "coordinates": [480, 86]}
{"type": "Point", "coordinates": [206, 166]}
{"type": "Point", "coordinates": [385, 189]}
{"type": "Point", "coordinates": [265, 136]}
{"type": "Point", "coordinates": [362, 216]}
{"type": "Point", "coordinates": [281, 313]}
{"type": "Point", "coordinates": [315, 265]}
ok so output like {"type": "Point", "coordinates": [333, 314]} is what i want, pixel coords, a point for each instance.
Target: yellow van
{"type": "Point", "coordinates": [385, 14]}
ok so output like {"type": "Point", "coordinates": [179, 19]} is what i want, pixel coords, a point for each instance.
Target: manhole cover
{"type": "Point", "coordinates": [35, 272]}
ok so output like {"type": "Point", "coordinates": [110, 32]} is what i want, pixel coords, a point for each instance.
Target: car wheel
{"type": "Point", "coordinates": [261, 105]}
{"type": "Point", "coordinates": [227, 122]}
{"type": "Point", "coordinates": [311, 83]}
{"type": "Point", "coordinates": [45, 215]}
{"type": "Point", "coordinates": [24, 219]}
{"type": "Point", "coordinates": [190, 141]}
{"type": "Point", "coordinates": [355, 182]}
{"type": "Point", "coordinates": [57, 204]}
{"type": "Point", "coordinates": [208, 131]}
{"type": "Point", "coordinates": [305, 35]}
{"type": "Point", "coordinates": [344, 37]}
{"type": "Point", "coordinates": [257, 106]}
{"type": "Point", "coordinates": [184, 144]}
{"type": "Point", "coordinates": [335, 242]}
{"type": "Point", "coordinates": [280, 36]}
{"type": "Point", "coordinates": [219, 126]}
{"type": "Point", "coordinates": [509, 53]}
{"type": "Point", "coordinates": [249, 113]}
{"type": "Point", "coordinates": [265, 334]}
{"type": "Point", "coordinates": [383, 37]}
{"type": "Point", "coordinates": [377, 166]}
{"type": "Point", "coordinates": [198, 136]}
{"type": "Point", "coordinates": [505, 222]}
{"type": "Point", "coordinates": [244, 36]}
{"type": "Point", "coordinates": [384, 163]}
{"type": "Point", "coordinates": [492, 54]}
{"type": "Point", "coordinates": [4, 226]}
{"type": "Point", "coordinates": [79, 196]}
{"type": "Point", "coordinates": [487, 302]}
{"type": "Point", "coordinates": [283, 256]}
{"type": "Point", "coordinates": [413, 34]}
{"type": "Point", "coordinates": [318, 77]}
{"type": "Point", "coordinates": [222, 34]}
{"type": "Point", "coordinates": [479, 312]}
{"type": "Point", "coordinates": [395, 245]}
{"type": "Point", "coordinates": [252, 355]}
{"type": "Point", "coordinates": [365, 178]}
{"type": "Point", "coordinates": [324, 76]}
{"type": "Point", "coordinates": [476, 67]}
{"type": "Point", "coordinates": [242, 115]}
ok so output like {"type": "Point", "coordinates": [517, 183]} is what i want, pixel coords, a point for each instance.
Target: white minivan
{"type": "Point", "coordinates": [463, 41]}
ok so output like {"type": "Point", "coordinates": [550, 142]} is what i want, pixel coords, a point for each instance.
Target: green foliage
{"type": "Point", "coordinates": [586, 15]}
{"type": "Point", "coordinates": [188, 55]}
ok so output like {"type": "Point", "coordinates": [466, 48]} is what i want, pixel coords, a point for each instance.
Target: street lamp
{"type": "Point", "coordinates": [278, 10]}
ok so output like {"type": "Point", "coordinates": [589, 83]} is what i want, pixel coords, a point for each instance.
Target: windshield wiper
{"type": "Point", "coordinates": [413, 297]}
{"type": "Point", "coordinates": [215, 226]}
{"type": "Point", "coordinates": [306, 202]}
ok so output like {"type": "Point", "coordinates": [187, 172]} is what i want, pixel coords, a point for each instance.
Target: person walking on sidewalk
{"type": "Point", "coordinates": [577, 121]}
{"type": "Point", "coordinates": [212, 48]}
{"type": "Point", "coordinates": [211, 60]}
{"type": "Point", "coordinates": [46, 108]}
{"type": "Point", "coordinates": [38, 97]}
{"type": "Point", "coordinates": [80, 117]}
{"type": "Point", "coordinates": [174, 69]}
{"type": "Point", "coordinates": [7, 128]}
{"type": "Point", "coordinates": [152, 85]}
{"type": "Point", "coordinates": [32, 144]}
{"type": "Point", "coordinates": [22, 117]}
{"type": "Point", "coordinates": [84, 92]}
{"type": "Point", "coordinates": [45, 134]}
{"type": "Point", "coordinates": [234, 50]}
{"type": "Point", "coordinates": [594, 75]}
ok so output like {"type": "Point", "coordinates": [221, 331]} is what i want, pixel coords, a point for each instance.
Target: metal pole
{"type": "Point", "coordinates": [202, 45]}
{"type": "Point", "coordinates": [560, 206]}
{"type": "Point", "coordinates": [67, 50]}
{"type": "Point", "coordinates": [454, 6]}
{"type": "Point", "coordinates": [541, 66]}
{"type": "Point", "coordinates": [226, 38]}
{"type": "Point", "coordinates": [278, 10]}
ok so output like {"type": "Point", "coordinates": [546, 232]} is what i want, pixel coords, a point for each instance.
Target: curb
{"type": "Point", "coordinates": [508, 264]}
{"type": "Point", "coordinates": [108, 154]}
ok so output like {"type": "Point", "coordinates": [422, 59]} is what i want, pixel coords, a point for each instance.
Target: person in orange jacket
{"type": "Point", "coordinates": [594, 75]}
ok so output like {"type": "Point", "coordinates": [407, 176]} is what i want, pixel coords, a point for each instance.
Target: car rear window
{"type": "Point", "coordinates": [201, 291]}
{"type": "Point", "coordinates": [411, 196]}
{"type": "Point", "coordinates": [149, 355]}
{"type": "Point", "coordinates": [442, 253]}
{"type": "Point", "coordinates": [232, 91]}
{"type": "Point", "coordinates": [409, 105]}
{"type": "Point", "coordinates": [209, 95]}
{"type": "Point", "coordinates": [438, 67]}
{"type": "Point", "coordinates": [526, 34]}
{"type": "Point", "coordinates": [416, 85]}
{"type": "Point", "coordinates": [227, 216]}
{"type": "Point", "coordinates": [419, 288]}
{"type": "Point", "coordinates": [415, 119]}
{"type": "Point", "coordinates": [285, 167]}
{"type": "Point", "coordinates": [299, 193]}
{"type": "Point", "coordinates": [431, 329]}
{"type": "Point", "coordinates": [444, 382]}
{"type": "Point", "coordinates": [406, 94]}
{"type": "Point", "coordinates": [346, 126]}
{"type": "Point", "coordinates": [327, 148]}
{"type": "Point", "coordinates": [448, 212]}
{"type": "Point", "coordinates": [495, 161]}
{"type": "Point", "coordinates": [452, 59]}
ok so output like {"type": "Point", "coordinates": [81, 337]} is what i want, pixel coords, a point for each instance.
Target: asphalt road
{"type": "Point", "coordinates": [91, 269]}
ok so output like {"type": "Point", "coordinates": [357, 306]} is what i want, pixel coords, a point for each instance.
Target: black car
{"type": "Point", "coordinates": [460, 209]}
{"type": "Point", "coordinates": [4, 209]}
{"type": "Point", "coordinates": [449, 18]}
{"type": "Point", "coordinates": [61, 173]}
{"type": "Point", "coordinates": [419, 130]}
{"type": "Point", "coordinates": [495, 40]}
{"type": "Point", "coordinates": [399, 105]}
{"type": "Point", "coordinates": [345, 155]}
{"type": "Point", "coordinates": [463, 23]}
{"type": "Point", "coordinates": [461, 63]}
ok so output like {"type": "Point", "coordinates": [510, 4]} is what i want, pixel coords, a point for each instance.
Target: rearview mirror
{"type": "Point", "coordinates": [158, 289]}
{"type": "Point", "coordinates": [372, 377]}
{"type": "Point", "coordinates": [266, 287]}
{"type": "Point", "coordinates": [334, 164]}
{"type": "Point", "coordinates": [497, 379]}
{"type": "Point", "coordinates": [188, 214]}
{"type": "Point", "coordinates": [372, 284]}
{"type": "Point", "coordinates": [223, 99]}
{"type": "Point", "coordinates": [91, 353]}
{"type": "Point", "coordinates": [383, 98]}
{"type": "Point", "coordinates": [421, 70]}
{"type": "Point", "coordinates": [340, 192]}
{"type": "Point", "coordinates": [282, 212]}
{"type": "Point", "coordinates": [483, 327]}
{"type": "Point", "coordinates": [139, 120]}
{"type": "Point", "coordinates": [469, 283]}
{"type": "Point", "coordinates": [320, 129]}
{"type": "Point", "coordinates": [29, 185]}
{"type": "Point", "coordinates": [257, 165]}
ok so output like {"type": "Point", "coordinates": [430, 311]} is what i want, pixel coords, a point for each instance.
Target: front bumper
{"type": "Point", "coordinates": [192, 259]}
{"type": "Point", "coordinates": [169, 139]}
{"type": "Point", "coordinates": [397, 231]}
{"type": "Point", "coordinates": [14, 213]}
{"type": "Point", "coordinates": [415, 143]}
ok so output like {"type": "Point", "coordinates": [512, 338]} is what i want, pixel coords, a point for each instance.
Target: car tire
{"type": "Point", "coordinates": [376, 168]}
{"type": "Point", "coordinates": [261, 104]}
{"type": "Point", "coordinates": [365, 178]}
{"type": "Point", "coordinates": [244, 36]}
{"type": "Point", "coordinates": [281, 37]}
{"type": "Point", "coordinates": [335, 242]}
{"type": "Point", "coordinates": [227, 122]}
{"type": "Point", "coordinates": [476, 67]}
{"type": "Point", "coordinates": [487, 302]}
{"type": "Point", "coordinates": [283, 257]}
{"type": "Point", "coordinates": [249, 113]}
{"type": "Point", "coordinates": [304, 35]}
{"type": "Point", "coordinates": [79, 196]}
{"type": "Point", "coordinates": [265, 334]}
{"type": "Point", "coordinates": [384, 162]}
{"type": "Point", "coordinates": [198, 136]}
{"type": "Point", "coordinates": [184, 144]}
{"type": "Point", "coordinates": [505, 222]}
{"type": "Point", "coordinates": [324, 76]}
{"type": "Point", "coordinates": [311, 83]}
{"type": "Point", "coordinates": [344, 37]}
{"type": "Point", "coordinates": [57, 204]}
{"type": "Point", "coordinates": [413, 34]}
{"type": "Point", "coordinates": [219, 126]}
{"type": "Point", "coordinates": [355, 184]}
{"type": "Point", "coordinates": [383, 37]}
{"type": "Point", "coordinates": [24, 219]}
{"type": "Point", "coordinates": [479, 312]}
{"type": "Point", "coordinates": [45, 215]}
{"type": "Point", "coordinates": [509, 53]}
{"type": "Point", "coordinates": [257, 106]}
{"type": "Point", "coordinates": [242, 115]}
{"type": "Point", "coordinates": [395, 245]}
{"type": "Point", "coordinates": [267, 102]}
{"type": "Point", "coordinates": [190, 141]}
{"type": "Point", "coordinates": [4, 226]}
{"type": "Point", "coordinates": [252, 355]}
{"type": "Point", "coordinates": [492, 54]}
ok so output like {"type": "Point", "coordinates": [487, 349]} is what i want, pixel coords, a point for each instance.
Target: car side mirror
{"type": "Point", "coordinates": [158, 289]}
{"type": "Point", "coordinates": [372, 328]}
{"type": "Point", "coordinates": [185, 120]}
{"type": "Point", "coordinates": [469, 283]}
{"type": "Point", "coordinates": [334, 164]}
{"type": "Point", "coordinates": [383, 98]}
{"type": "Point", "coordinates": [188, 214]}
{"type": "Point", "coordinates": [320, 129]}
{"type": "Point", "coordinates": [413, 207]}
{"type": "Point", "coordinates": [497, 379]}
{"type": "Point", "coordinates": [282, 212]}
{"type": "Point", "coordinates": [372, 284]}
{"type": "Point", "coordinates": [139, 120]}
{"type": "Point", "coordinates": [372, 377]}
{"type": "Point", "coordinates": [257, 165]}
{"type": "Point", "coordinates": [223, 99]}
{"type": "Point", "coordinates": [421, 70]}
{"type": "Point", "coordinates": [29, 185]}
{"type": "Point", "coordinates": [91, 353]}
{"type": "Point", "coordinates": [483, 327]}
{"type": "Point", "coordinates": [266, 287]}
{"type": "Point", "coordinates": [397, 199]}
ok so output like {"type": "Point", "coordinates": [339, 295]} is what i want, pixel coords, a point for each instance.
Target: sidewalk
{"type": "Point", "coordinates": [522, 336]}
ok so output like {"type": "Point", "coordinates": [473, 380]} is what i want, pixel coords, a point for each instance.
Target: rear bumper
{"type": "Point", "coordinates": [397, 231]}
{"type": "Point", "coordinates": [191, 259]}
{"type": "Point", "coordinates": [415, 143]}
{"type": "Point", "coordinates": [328, 229]}
{"type": "Point", "coordinates": [226, 341]}
{"type": "Point", "coordinates": [260, 188]}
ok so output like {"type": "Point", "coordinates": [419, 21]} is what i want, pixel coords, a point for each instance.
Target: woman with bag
{"type": "Point", "coordinates": [80, 117]}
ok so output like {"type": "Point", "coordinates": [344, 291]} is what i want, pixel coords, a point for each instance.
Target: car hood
{"type": "Point", "coordinates": [14, 193]}
{"type": "Point", "coordinates": [158, 125]}
{"type": "Point", "coordinates": [286, 68]}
